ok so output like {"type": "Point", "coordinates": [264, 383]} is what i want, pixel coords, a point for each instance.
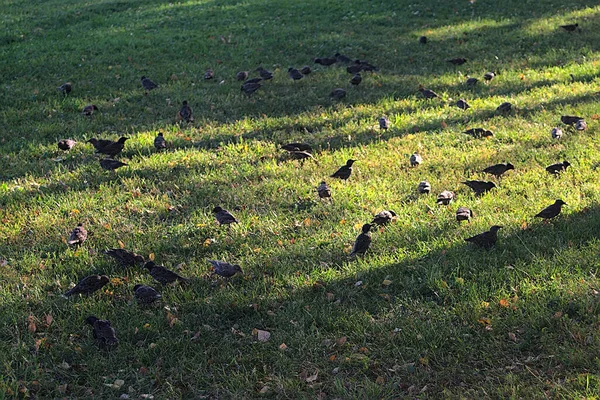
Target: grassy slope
{"type": "Point", "coordinates": [426, 329]}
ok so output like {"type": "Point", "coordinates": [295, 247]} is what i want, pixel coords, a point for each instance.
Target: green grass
{"type": "Point", "coordinates": [519, 321]}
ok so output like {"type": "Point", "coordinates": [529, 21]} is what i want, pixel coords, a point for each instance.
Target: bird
{"type": "Point", "coordinates": [354, 69]}
{"type": "Point", "coordinates": [457, 61]}
{"type": "Point", "coordinates": [363, 241]}
{"type": "Point", "coordinates": [423, 40]}
{"type": "Point", "coordinates": [162, 274]}
{"type": "Point", "coordinates": [479, 132]}
{"type": "Point", "coordinates": [88, 110]}
{"type": "Point", "coordinates": [445, 197]}
{"type": "Point", "coordinates": [337, 94]}
{"type": "Point", "coordinates": [297, 147]}
{"type": "Point", "coordinates": [148, 84]}
{"type": "Point", "coordinates": [424, 187]}
{"type": "Point", "coordinates": [384, 123]}
{"type": "Point", "coordinates": [99, 143]}
{"type": "Point", "coordinates": [504, 107]}
{"type": "Point", "coordinates": [110, 165]}
{"type": "Point", "coordinates": [252, 80]}
{"type": "Point", "coordinates": [356, 79]}
{"type": "Point", "coordinates": [556, 169]}
{"type": "Point", "coordinates": [209, 74]}
{"type": "Point", "coordinates": [464, 214]}
{"type": "Point", "coordinates": [250, 87]}
{"type": "Point", "coordinates": [552, 210]}
{"type": "Point", "coordinates": [344, 171]}
{"type": "Point", "coordinates": [159, 141]}
{"type": "Point", "coordinates": [225, 269]}
{"type": "Point", "coordinates": [570, 27]}
{"type": "Point", "coordinates": [427, 93]}
{"type": "Point", "coordinates": [295, 74]}
{"type": "Point", "coordinates": [488, 76]}
{"type": "Point", "coordinates": [113, 148]}
{"type": "Point", "coordinates": [415, 159]}
{"type": "Point", "coordinates": [325, 61]}
{"type": "Point", "coordinates": [145, 294]}
{"type": "Point", "coordinates": [383, 218]}
{"type": "Point", "coordinates": [125, 257]}
{"type": "Point", "coordinates": [224, 217]}
{"type": "Point", "coordinates": [306, 70]}
{"type": "Point", "coordinates": [301, 155]}
{"type": "Point", "coordinates": [486, 239]}
{"type": "Point", "coordinates": [365, 66]}
{"type": "Point", "coordinates": [185, 113]}
{"type": "Point", "coordinates": [66, 144]}
{"type": "Point", "coordinates": [342, 58]}
{"type": "Point", "coordinates": [480, 187]}
{"type": "Point", "coordinates": [570, 119]}
{"type": "Point", "coordinates": [88, 285]}
{"type": "Point", "coordinates": [241, 76]}
{"type": "Point", "coordinates": [323, 190]}
{"type": "Point", "coordinates": [78, 235]}
{"type": "Point", "coordinates": [581, 125]}
{"type": "Point", "coordinates": [556, 133]}
{"type": "Point", "coordinates": [498, 169]}
{"type": "Point", "coordinates": [65, 88]}
{"type": "Point", "coordinates": [462, 104]}
{"type": "Point", "coordinates": [103, 332]}
{"type": "Point", "coordinates": [472, 81]}
{"type": "Point", "coordinates": [264, 74]}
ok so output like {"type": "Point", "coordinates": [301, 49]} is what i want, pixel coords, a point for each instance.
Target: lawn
{"type": "Point", "coordinates": [423, 314]}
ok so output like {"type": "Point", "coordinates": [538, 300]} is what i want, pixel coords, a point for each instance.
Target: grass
{"type": "Point", "coordinates": [519, 321]}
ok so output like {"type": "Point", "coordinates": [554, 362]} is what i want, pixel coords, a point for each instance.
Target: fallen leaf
{"type": "Point", "coordinates": [65, 365]}
{"type": "Point", "coordinates": [512, 336]}
{"type": "Point", "coordinates": [386, 282]}
{"type": "Point", "coordinates": [121, 244]}
{"type": "Point", "coordinates": [31, 327]}
{"type": "Point", "coordinates": [312, 378]}
{"type": "Point", "coordinates": [503, 303]}
{"type": "Point", "coordinates": [283, 346]}
{"type": "Point", "coordinates": [330, 296]}
{"type": "Point", "coordinates": [558, 314]}
{"type": "Point", "coordinates": [49, 319]}
{"type": "Point", "coordinates": [151, 256]}
{"type": "Point", "coordinates": [264, 389]}
{"type": "Point", "coordinates": [595, 117]}
{"type": "Point", "coordinates": [380, 380]}
{"type": "Point", "coordinates": [263, 336]}
{"type": "Point", "coordinates": [341, 341]}
{"type": "Point", "coordinates": [171, 319]}
{"type": "Point", "coordinates": [196, 336]}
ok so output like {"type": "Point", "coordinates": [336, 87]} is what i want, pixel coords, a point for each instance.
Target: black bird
{"type": "Point", "coordinates": [462, 104]}
{"type": "Point", "coordinates": [383, 218]}
{"type": "Point", "coordinates": [424, 187]}
{"type": "Point", "coordinates": [110, 165]}
{"type": "Point", "coordinates": [556, 169]}
{"type": "Point", "coordinates": [103, 332]}
{"type": "Point", "coordinates": [363, 241]}
{"type": "Point", "coordinates": [427, 93]}
{"type": "Point", "coordinates": [297, 147]}
{"type": "Point", "coordinates": [581, 125]}
{"type": "Point", "coordinates": [250, 87]}
{"type": "Point", "coordinates": [145, 294]}
{"type": "Point", "coordinates": [486, 239]}
{"type": "Point", "coordinates": [114, 148]}
{"type": "Point", "coordinates": [384, 123]}
{"type": "Point", "coordinates": [337, 94]}
{"type": "Point", "coordinates": [488, 76]}
{"type": "Point", "coordinates": [306, 70]}
{"type": "Point", "coordinates": [241, 76]}
{"type": "Point", "coordinates": [295, 74]}
{"type": "Point", "coordinates": [326, 61]}
{"type": "Point", "coordinates": [552, 210]}
{"type": "Point", "coordinates": [354, 68]}
{"type": "Point", "coordinates": [78, 235]}
{"type": "Point", "coordinates": [423, 40]}
{"type": "Point", "coordinates": [498, 169]}
{"type": "Point", "coordinates": [457, 61]}
{"type": "Point", "coordinates": [344, 171]}
{"type": "Point", "coordinates": [445, 197]}
{"type": "Point", "coordinates": [252, 81]}
{"type": "Point", "coordinates": [570, 27]}
{"type": "Point", "coordinates": [556, 133]}
{"type": "Point", "coordinates": [225, 269]}
{"type": "Point", "coordinates": [570, 119]}
{"type": "Point", "coordinates": [356, 79]}
{"type": "Point", "coordinates": [163, 275]}
{"type": "Point", "coordinates": [264, 74]}
{"type": "Point", "coordinates": [323, 190]}
{"type": "Point", "coordinates": [479, 132]}
{"type": "Point", "coordinates": [209, 74]}
{"type": "Point", "coordinates": [302, 155]}
{"type": "Point", "coordinates": [159, 142]}
{"type": "Point", "coordinates": [342, 58]}
{"type": "Point", "coordinates": [480, 187]}
{"type": "Point", "coordinates": [463, 214]}
{"type": "Point", "coordinates": [224, 217]}
{"type": "Point", "coordinates": [88, 110]}
{"type": "Point", "coordinates": [415, 159]}
{"type": "Point", "coordinates": [66, 144]}
{"type": "Point", "coordinates": [148, 84]}
{"type": "Point", "coordinates": [65, 88]}
{"type": "Point", "coordinates": [472, 81]}
{"type": "Point", "coordinates": [88, 285]}
{"type": "Point", "coordinates": [185, 113]}
{"type": "Point", "coordinates": [99, 143]}
{"type": "Point", "coordinates": [366, 66]}
{"type": "Point", "coordinates": [125, 257]}
{"type": "Point", "coordinates": [504, 107]}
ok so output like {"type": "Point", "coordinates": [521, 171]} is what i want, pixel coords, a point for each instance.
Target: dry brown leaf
{"type": "Point", "coordinates": [341, 341]}
{"type": "Point", "coordinates": [31, 327]}
{"type": "Point", "coordinates": [121, 244]}
{"type": "Point", "coordinates": [380, 380]}
{"type": "Point", "coordinates": [283, 346]}
{"type": "Point", "coordinates": [330, 296]}
{"type": "Point", "coordinates": [151, 257]}
{"type": "Point", "coordinates": [512, 336]}
{"type": "Point", "coordinates": [312, 378]}
{"type": "Point", "coordinates": [503, 303]}
{"type": "Point", "coordinates": [264, 389]}
{"type": "Point", "coordinates": [171, 319]}
{"type": "Point", "coordinates": [49, 319]}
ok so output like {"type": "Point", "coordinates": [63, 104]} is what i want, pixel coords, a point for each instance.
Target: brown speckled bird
{"type": "Point", "coordinates": [552, 210]}
{"type": "Point", "coordinates": [66, 144]}
{"type": "Point", "coordinates": [78, 235]}
{"type": "Point", "coordinates": [88, 110]}
{"type": "Point", "coordinates": [427, 93]}
{"type": "Point", "coordinates": [486, 239]}
{"type": "Point", "coordinates": [124, 257]}
{"type": "Point", "coordinates": [464, 214]}
{"type": "Point", "coordinates": [323, 190]}
{"type": "Point", "coordinates": [445, 197]}
{"type": "Point", "coordinates": [306, 70]}
{"type": "Point", "coordinates": [162, 274]}
{"type": "Point", "coordinates": [65, 88]}
{"type": "Point", "coordinates": [250, 87]}
{"type": "Point", "coordinates": [264, 74]}
{"type": "Point", "coordinates": [103, 332]}
{"type": "Point", "coordinates": [241, 76]}
{"type": "Point", "coordinates": [209, 74]}
{"type": "Point", "coordinates": [383, 218]}
{"type": "Point", "coordinates": [145, 294]}
{"type": "Point", "coordinates": [88, 285]}
{"type": "Point", "coordinates": [159, 142]}
{"type": "Point", "coordinates": [185, 113]}
{"type": "Point", "coordinates": [225, 269]}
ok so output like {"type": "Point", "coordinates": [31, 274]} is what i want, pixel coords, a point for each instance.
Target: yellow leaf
{"type": "Point", "coordinates": [151, 256]}
{"type": "Point", "coordinates": [386, 282]}
{"type": "Point", "coordinates": [485, 304]}
{"type": "Point", "coordinates": [121, 244]}
{"type": "Point", "coordinates": [342, 222]}
{"type": "Point", "coordinates": [484, 321]}
{"type": "Point", "coordinates": [306, 221]}
{"type": "Point", "coordinates": [75, 211]}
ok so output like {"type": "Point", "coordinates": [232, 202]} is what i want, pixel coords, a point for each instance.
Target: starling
{"type": "Point", "coordinates": [427, 93]}
{"type": "Point", "coordinates": [209, 74]}
{"type": "Point", "coordinates": [125, 257]}
{"type": "Point", "coordinates": [225, 269]}
{"type": "Point", "coordinates": [78, 235]}
{"type": "Point", "coordinates": [486, 239]}
{"type": "Point", "coordinates": [185, 113]}
{"type": "Point", "coordinates": [163, 275]}
{"type": "Point", "coordinates": [479, 132]}
{"type": "Point", "coordinates": [552, 210]}
{"type": "Point", "coordinates": [145, 294]}
{"type": "Point", "coordinates": [325, 61]}
{"type": "Point", "coordinates": [252, 81]}
{"type": "Point", "coordinates": [504, 107]}
{"type": "Point", "coordinates": [462, 104]}
{"type": "Point", "coordinates": [570, 27]}
{"type": "Point", "coordinates": [570, 119]}
{"type": "Point", "coordinates": [365, 66]}
{"type": "Point", "coordinates": [323, 190]}
{"type": "Point", "coordinates": [264, 74]}
{"type": "Point", "coordinates": [241, 76]}
{"type": "Point", "coordinates": [295, 74]}
{"type": "Point", "coordinates": [556, 169]}
{"type": "Point", "coordinates": [114, 148]}
{"type": "Point", "coordinates": [297, 147]}
{"type": "Point", "coordinates": [472, 81]}
{"type": "Point", "coordinates": [556, 133]}
{"type": "Point", "coordinates": [88, 110]}
{"type": "Point", "coordinates": [384, 123]}
{"type": "Point", "coordinates": [103, 332]}
{"type": "Point", "coordinates": [480, 187]}
{"type": "Point", "coordinates": [337, 94]}
{"type": "Point", "coordinates": [65, 88]}
{"type": "Point", "coordinates": [354, 68]}
{"type": "Point", "coordinates": [159, 142]}
{"type": "Point", "coordinates": [88, 285]}
{"type": "Point", "coordinates": [342, 58]}
{"type": "Point", "coordinates": [110, 165]}
{"type": "Point", "coordinates": [457, 61]}
{"type": "Point", "coordinates": [463, 214]}
{"type": "Point", "coordinates": [445, 197]}
{"type": "Point", "coordinates": [498, 169]}
{"type": "Point", "coordinates": [415, 159]}
{"type": "Point", "coordinates": [224, 217]}
{"type": "Point", "coordinates": [99, 143]}
{"type": "Point", "coordinates": [344, 171]}
{"type": "Point", "coordinates": [363, 241]}
{"type": "Point", "coordinates": [424, 187]}
{"type": "Point", "coordinates": [66, 144]}
{"type": "Point", "coordinates": [383, 218]}
{"type": "Point", "coordinates": [148, 84]}
{"type": "Point", "coordinates": [301, 155]}
{"type": "Point", "coordinates": [250, 88]}
{"type": "Point", "coordinates": [356, 79]}
{"type": "Point", "coordinates": [423, 40]}
{"type": "Point", "coordinates": [306, 70]}
{"type": "Point", "coordinates": [488, 76]}
{"type": "Point", "coordinates": [581, 125]}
